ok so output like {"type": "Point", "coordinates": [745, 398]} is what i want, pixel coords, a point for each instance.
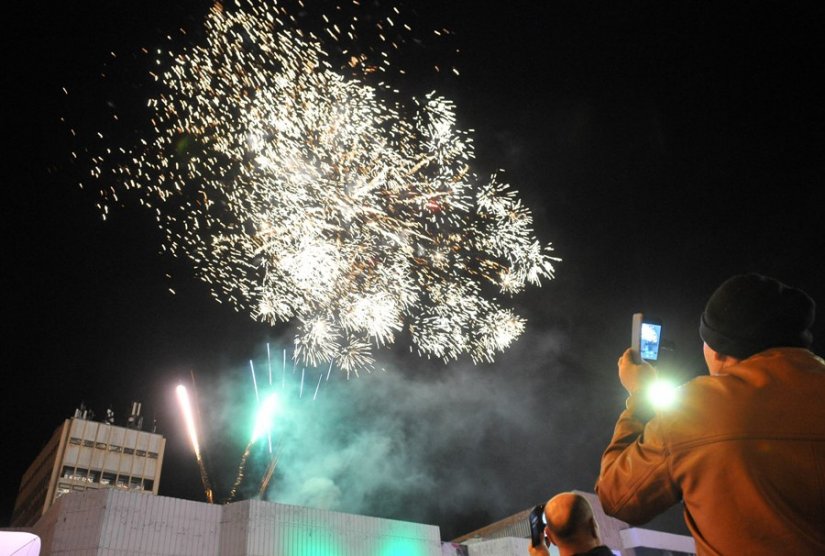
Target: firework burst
{"type": "Point", "coordinates": [300, 192]}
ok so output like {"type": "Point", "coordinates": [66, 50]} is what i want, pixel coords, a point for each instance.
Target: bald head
{"type": "Point", "coordinates": [569, 516]}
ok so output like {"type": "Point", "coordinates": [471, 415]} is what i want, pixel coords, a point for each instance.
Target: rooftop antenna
{"type": "Point", "coordinates": [83, 412]}
{"type": "Point", "coordinates": [135, 420]}
{"type": "Point", "coordinates": [80, 412]}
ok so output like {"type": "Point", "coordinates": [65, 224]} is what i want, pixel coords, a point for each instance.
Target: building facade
{"type": "Point", "coordinates": [85, 455]}
{"type": "Point", "coordinates": [119, 522]}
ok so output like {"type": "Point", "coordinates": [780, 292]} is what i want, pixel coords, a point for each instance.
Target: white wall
{"type": "Point", "coordinates": [114, 522]}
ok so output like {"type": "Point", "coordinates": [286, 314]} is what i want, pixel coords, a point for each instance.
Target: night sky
{"type": "Point", "coordinates": [662, 147]}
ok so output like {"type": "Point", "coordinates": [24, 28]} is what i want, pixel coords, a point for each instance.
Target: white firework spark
{"type": "Point", "coordinates": [300, 193]}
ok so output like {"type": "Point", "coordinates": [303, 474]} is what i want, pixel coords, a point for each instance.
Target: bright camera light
{"type": "Point", "coordinates": [661, 394]}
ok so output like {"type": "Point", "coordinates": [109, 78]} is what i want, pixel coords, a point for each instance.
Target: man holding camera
{"type": "Point", "coordinates": [743, 448]}
{"type": "Point", "coordinates": [571, 527]}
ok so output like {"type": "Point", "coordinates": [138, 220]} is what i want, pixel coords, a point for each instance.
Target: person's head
{"type": "Point", "coordinates": [570, 522]}
{"type": "Point", "coordinates": [750, 313]}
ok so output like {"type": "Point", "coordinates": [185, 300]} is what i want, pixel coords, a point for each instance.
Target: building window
{"type": "Point", "coordinates": [128, 450]}
{"type": "Point", "coordinates": [140, 453]}
{"type": "Point", "coordinates": [80, 474]}
{"type": "Point", "coordinates": [74, 440]}
{"type": "Point", "coordinates": [88, 443]}
{"type": "Point", "coordinates": [152, 455]}
{"type": "Point", "coordinates": [107, 479]}
{"type": "Point", "coordinates": [113, 448]}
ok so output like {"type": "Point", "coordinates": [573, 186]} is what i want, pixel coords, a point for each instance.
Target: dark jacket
{"type": "Point", "coordinates": [745, 451]}
{"type": "Point", "coordinates": [598, 551]}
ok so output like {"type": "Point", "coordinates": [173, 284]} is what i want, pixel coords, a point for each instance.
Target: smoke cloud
{"type": "Point", "coordinates": [456, 445]}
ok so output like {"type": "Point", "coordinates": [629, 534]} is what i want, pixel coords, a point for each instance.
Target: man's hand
{"type": "Point", "coordinates": [540, 550]}
{"type": "Point", "coordinates": [634, 377]}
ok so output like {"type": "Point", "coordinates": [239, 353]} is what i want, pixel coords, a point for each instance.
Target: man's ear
{"type": "Point", "coordinates": [716, 361]}
{"type": "Point", "coordinates": [594, 527]}
{"type": "Point", "coordinates": [725, 360]}
{"type": "Point", "coordinates": [550, 536]}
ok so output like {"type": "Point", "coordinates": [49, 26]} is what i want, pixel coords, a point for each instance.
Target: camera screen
{"type": "Point", "coordinates": [649, 344]}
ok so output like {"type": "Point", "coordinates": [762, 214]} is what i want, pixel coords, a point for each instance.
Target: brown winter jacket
{"type": "Point", "coordinates": [745, 451]}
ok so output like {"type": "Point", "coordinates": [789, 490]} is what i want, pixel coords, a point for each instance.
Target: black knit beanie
{"type": "Point", "coordinates": [750, 313]}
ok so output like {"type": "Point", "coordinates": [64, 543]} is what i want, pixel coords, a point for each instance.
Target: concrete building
{"type": "Point", "coordinates": [83, 454]}
{"type": "Point", "coordinates": [115, 522]}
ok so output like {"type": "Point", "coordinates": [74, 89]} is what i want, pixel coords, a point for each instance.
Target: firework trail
{"type": "Point", "coordinates": [269, 363]}
{"type": "Point", "coordinates": [267, 476]}
{"type": "Point", "coordinates": [263, 424]}
{"type": "Point", "coordinates": [270, 470]}
{"type": "Point", "coordinates": [268, 404]}
{"type": "Point", "coordinates": [299, 192]}
{"type": "Point", "coordinates": [240, 474]}
{"type": "Point", "coordinates": [186, 408]}
{"type": "Point", "coordinates": [263, 421]}
{"type": "Point", "coordinates": [317, 386]}
{"type": "Point", "coordinates": [254, 380]}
